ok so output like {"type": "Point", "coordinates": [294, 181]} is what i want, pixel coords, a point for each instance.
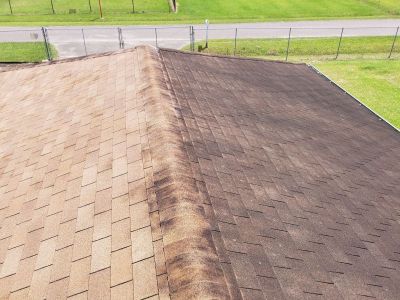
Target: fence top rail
{"type": "Point", "coordinates": [116, 27]}
{"type": "Point", "coordinates": [21, 30]}
{"type": "Point", "coordinates": [196, 27]}
{"type": "Point", "coordinates": [294, 28]}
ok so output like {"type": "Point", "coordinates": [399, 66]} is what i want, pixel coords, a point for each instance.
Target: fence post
{"type": "Point", "coordinates": [46, 46]}
{"type": "Point", "coordinates": [9, 4]}
{"type": "Point", "coordinates": [52, 6]}
{"type": "Point", "coordinates": [133, 7]}
{"type": "Point", "coordinates": [120, 39]}
{"type": "Point", "coordinates": [207, 23]}
{"type": "Point", "coordinates": [190, 38]}
{"type": "Point", "coordinates": [234, 50]}
{"type": "Point", "coordinates": [191, 33]}
{"type": "Point", "coordinates": [84, 41]}
{"type": "Point", "coordinates": [340, 42]}
{"type": "Point", "coordinates": [155, 33]}
{"type": "Point", "coordinates": [90, 6]}
{"type": "Point", "coordinates": [394, 42]}
{"type": "Point", "coordinates": [288, 43]}
{"type": "Point", "coordinates": [193, 38]}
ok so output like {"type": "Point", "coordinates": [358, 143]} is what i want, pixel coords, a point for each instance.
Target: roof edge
{"type": "Point", "coordinates": [233, 57]}
{"type": "Point", "coordinates": [192, 263]}
{"type": "Point", "coordinates": [18, 66]}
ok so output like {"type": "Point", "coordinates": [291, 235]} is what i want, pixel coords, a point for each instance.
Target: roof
{"type": "Point", "coordinates": [151, 174]}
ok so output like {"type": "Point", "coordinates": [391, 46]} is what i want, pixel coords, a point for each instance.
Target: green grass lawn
{"type": "Point", "coordinates": [39, 12]}
{"type": "Point", "coordinates": [376, 83]}
{"type": "Point", "coordinates": [44, 7]}
{"type": "Point", "coordinates": [302, 49]}
{"type": "Point", "coordinates": [24, 52]}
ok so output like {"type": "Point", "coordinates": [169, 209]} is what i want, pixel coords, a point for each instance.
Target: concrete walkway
{"type": "Point", "coordinates": [69, 39]}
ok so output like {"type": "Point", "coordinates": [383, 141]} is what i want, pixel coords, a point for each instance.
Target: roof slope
{"type": "Point", "coordinates": [97, 199]}
{"type": "Point", "coordinates": [150, 174]}
{"type": "Point", "coordinates": [300, 182]}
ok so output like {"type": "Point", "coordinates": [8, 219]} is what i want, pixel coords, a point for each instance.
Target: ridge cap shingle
{"type": "Point", "coordinates": [192, 262]}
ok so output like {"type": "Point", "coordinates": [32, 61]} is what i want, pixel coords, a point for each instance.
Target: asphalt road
{"type": "Point", "coordinates": [69, 40]}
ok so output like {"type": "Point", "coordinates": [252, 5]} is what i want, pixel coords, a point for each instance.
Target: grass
{"type": "Point", "coordinates": [44, 7]}
{"type": "Point", "coordinates": [39, 12]}
{"type": "Point", "coordinates": [24, 52]}
{"type": "Point", "coordinates": [376, 83]}
{"type": "Point", "coordinates": [305, 48]}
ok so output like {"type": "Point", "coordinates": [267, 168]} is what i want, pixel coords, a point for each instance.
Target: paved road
{"type": "Point", "coordinates": [69, 40]}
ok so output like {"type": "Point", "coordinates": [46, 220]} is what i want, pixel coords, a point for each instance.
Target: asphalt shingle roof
{"type": "Point", "coordinates": [157, 174]}
{"type": "Point", "coordinates": [300, 183]}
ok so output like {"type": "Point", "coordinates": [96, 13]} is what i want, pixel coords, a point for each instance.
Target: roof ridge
{"type": "Point", "coordinates": [192, 262]}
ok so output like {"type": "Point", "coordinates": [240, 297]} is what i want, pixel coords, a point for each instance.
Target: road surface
{"type": "Point", "coordinates": [69, 39]}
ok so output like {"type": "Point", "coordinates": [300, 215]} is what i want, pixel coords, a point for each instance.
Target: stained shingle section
{"type": "Point", "coordinates": [303, 182]}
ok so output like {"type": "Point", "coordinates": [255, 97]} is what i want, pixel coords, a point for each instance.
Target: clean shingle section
{"type": "Point", "coordinates": [300, 183]}
{"type": "Point", "coordinates": [69, 146]}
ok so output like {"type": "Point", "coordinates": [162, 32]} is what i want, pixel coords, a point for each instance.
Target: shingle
{"type": "Point", "coordinates": [85, 217]}
{"type": "Point", "coordinates": [120, 166]}
{"type": "Point", "coordinates": [104, 180]}
{"type": "Point", "coordinates": [121, 271]}
{"type": "Point", "coordinates": [120, 186]}
{"type": "Point", "coordinates": [11, 261]}
{"type": "Point", "coordinates": [102, 225]}
{"type": "Point", "coordinates": [51, 226]}
{"type": "Point", "coordinates": [122, 291]}
{"type": "Point", "coordinates": [20, 294]}
{"type": "Point", "coordinates": [58, 289]}
{"type": "Point", "coordinates": [79, 276]}
{"type": "Point", "coordinates": [103, 201]}
{"type": "Point", "coordinates": [32, 243]}
{"type": "Point", "coordinates": [121, 234]}
{"type": "Point", "coordinates": [24, 273]}
{"type": "Point", "coordinates": [99, 285]}
{"type": "Point", "coordinates": [135, 171]}
{"type": "Point", "coordinates": [88, 194]}
{"type": "Point", "coordinates": [120, 208]}
{"type": "Point", "coordinates": [46, 253]}
{"type": "Point", "coordinates": [82, 244]}
{"type": "Point", "coordinates": [142, 246]}
{"type": "Point", "coordinates": [144, 279]}
{"type": "Point", "coordinates": [101, 254]}
{"type": "Point", "coordinates": [89, 175]}
{"type": "Point", "coordinates": [61, 263]}
{"type": "Point", "coordinates": [139, 213]}
{"type": "Point", "coordinates": [39, 283]}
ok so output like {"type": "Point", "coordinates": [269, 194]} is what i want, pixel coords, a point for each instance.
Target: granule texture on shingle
{"type": "Point", "coordinates": [96, 197]}
{"type": "Point", "coordinates": [65, 208]}
{"type": "Point", "coordinates": [300, 183]}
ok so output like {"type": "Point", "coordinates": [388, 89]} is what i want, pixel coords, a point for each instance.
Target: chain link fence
{"type": "Point", "coordinates": [299, 44]}
{"type": "Point", "coordinates": [103, 7]}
